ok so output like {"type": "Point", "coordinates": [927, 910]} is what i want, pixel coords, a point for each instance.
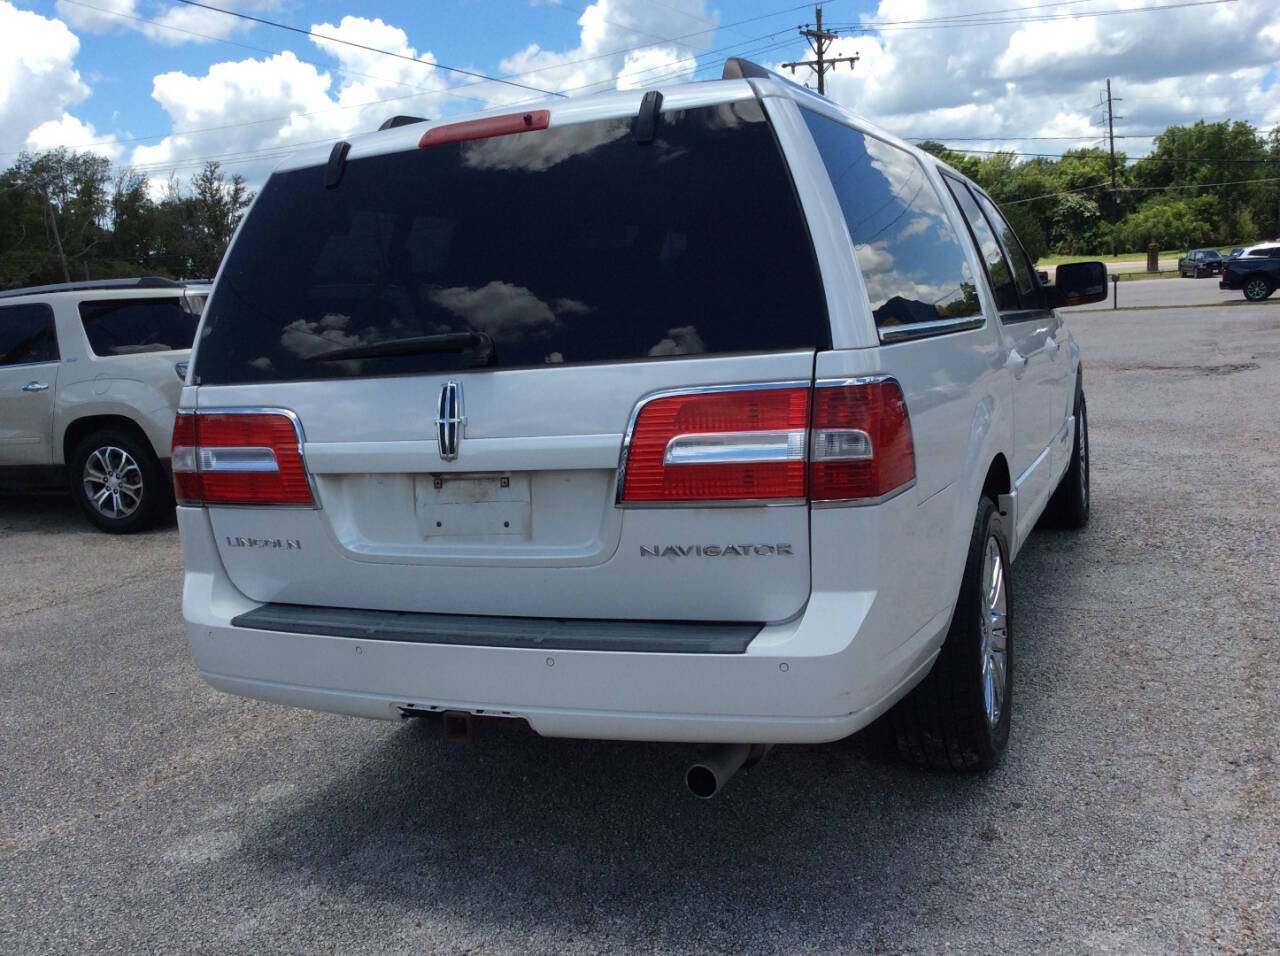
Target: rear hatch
{"type": "Point", "coordinates": [464, 332]}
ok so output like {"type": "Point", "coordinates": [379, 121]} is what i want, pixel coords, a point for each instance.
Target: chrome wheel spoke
{"type": "Point", "coordinates": [994, 625]}
{"type": "Point", "coordinates": [113, 481]}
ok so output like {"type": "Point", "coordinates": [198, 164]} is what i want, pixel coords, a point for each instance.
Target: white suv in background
{"type": "Point", "coordinates": [90, 374]}
{"type": "Point", "coordinates": [714, 414]}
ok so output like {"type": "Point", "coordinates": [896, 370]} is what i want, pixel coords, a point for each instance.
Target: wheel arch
{"type": "Point", "coordinates": [82, 427]}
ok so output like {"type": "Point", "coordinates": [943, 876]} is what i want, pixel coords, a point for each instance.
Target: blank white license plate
{"type": "Point", "coordinates": [470, 505]}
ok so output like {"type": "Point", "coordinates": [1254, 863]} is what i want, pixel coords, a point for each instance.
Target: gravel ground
{"type": "Point", "coordinates": [1138, 810]}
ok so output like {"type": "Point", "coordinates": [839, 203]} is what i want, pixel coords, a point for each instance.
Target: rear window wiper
{"type": "Point", "coordinates": [479, 342]}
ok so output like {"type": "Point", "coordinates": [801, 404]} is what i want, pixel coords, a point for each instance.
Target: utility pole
{"type": "Point", "coordinates": [1111, 135]}
{"type": "Point", "coordinates": [820, 41]}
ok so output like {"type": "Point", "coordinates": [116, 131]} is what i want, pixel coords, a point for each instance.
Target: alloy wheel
{"type": "Point", "coordinates": [112, 482]}
{"type": "Point", "coordinates": [995, 632]}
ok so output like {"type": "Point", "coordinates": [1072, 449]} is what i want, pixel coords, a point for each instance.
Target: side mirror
{"type": "Point", "coordinates": [1078, 283]}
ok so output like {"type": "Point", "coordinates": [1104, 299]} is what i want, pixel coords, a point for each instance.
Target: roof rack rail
{"type": "Point", "coordinates": [736, 68]}
{"type": "Point", "coordinates": [395, 121]}
{"type": "Point", "coordinates": [142, 282]}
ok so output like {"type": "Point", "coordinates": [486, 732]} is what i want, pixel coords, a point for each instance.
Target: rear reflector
{"type": "Point", "coordinates": [486, 128]}
{"type": "Point", "coordinates": [719, 445]}
{"type": "Point", "coordinates": [841, 441]}
{"type": "Point", "coordinates": [226, 457]}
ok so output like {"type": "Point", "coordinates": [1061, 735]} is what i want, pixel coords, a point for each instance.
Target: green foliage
{"type": "Point", "coordinates": [1173, 197]}
{"type": "Point", "coordinates": [63, 217]}
{"type": "Point", "coordinates": [1171, 223]}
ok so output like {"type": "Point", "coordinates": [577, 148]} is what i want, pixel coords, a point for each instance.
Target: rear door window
{"type": "Point", "coordinates": [911, 259]}
{"type": "Point", "coordinates": [567, 245]}
{"type": "Point", "coordinates": [27, 335]}
{"type": "Point", "coordinates": [993, 256]}
{"type": "Point", "coordinates": [1024, 274]}
{"type": "Point", "coordinates": [129, 326]}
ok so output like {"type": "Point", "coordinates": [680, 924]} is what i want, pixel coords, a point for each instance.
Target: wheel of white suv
{"type": "Point", "coordinates": [1257, 288]}
{"type": "Point", "coordinates": [958, 717]}
{"type": "Point", "coordinates": [117, 481]}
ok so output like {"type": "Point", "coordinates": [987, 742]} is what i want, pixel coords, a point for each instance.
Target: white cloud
{"type": "Point", "coordinates": [173, 25]}
{"type": "Point", "coordinates": [1013, 81]}
{"type": "Point", "coordinates": [38, 80]}
{"type": "Point", "coordinates": [609, 26]}
{"type": "Point", "coordinates": [239, 105]}
{"type": "Point", "coordinates": [69, 131]}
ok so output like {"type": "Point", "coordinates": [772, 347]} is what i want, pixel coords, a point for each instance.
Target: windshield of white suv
{"type": "Point", "coordinates": [569, 245]}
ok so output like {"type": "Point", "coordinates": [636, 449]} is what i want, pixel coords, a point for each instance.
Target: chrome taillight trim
{"type": "Point", "coordinates": [237, 459]}
{"type": "Point", "coordinates": [735, 448]}
{"type": "Point", "coordinates": [621, 478]}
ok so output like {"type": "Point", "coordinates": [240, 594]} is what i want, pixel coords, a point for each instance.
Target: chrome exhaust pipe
{"type": "Point", "coordinates": [708, 776]}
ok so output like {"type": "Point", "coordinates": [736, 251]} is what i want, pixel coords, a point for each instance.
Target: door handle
{"type": "Point", "coordinates": [35, 387]}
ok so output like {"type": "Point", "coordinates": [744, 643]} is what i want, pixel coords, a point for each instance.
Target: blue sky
{"type": "Point", "coordinates": [983, 74]}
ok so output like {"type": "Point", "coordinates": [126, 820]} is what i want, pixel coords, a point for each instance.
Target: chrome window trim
{"type": "Point", "coordinates": [624, 453]}
{"type": "Point", "coordinates": [297, 430]}
{"type": "Point", "coordinates": [922, 330]}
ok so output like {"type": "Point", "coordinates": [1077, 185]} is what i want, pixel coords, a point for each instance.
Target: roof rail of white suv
{"type": "Point", "coordinates": [142, 282]}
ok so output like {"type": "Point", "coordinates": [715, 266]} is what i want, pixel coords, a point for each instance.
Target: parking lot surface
{"type": "Point", "coordinates": [1138, 809]}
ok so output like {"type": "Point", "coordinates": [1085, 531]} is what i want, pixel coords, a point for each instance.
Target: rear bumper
{"type": "Point", "coordinates": [1228, 284]}
{"type": "Point", "coordinates": [817, 678]}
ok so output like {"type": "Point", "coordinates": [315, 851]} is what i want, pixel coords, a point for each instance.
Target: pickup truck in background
{"type": "Point", "coordinates": [1199, 263]}
{"type": "Point", "coordinates": [1256, 272]}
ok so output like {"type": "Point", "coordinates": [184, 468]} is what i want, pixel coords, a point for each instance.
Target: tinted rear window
{"type": "Point", "coordinates": [574, 244]}
{"type": "Point", "coordinates": [128, 326]}
{"type": "Point", "coordinates": [26, 335]}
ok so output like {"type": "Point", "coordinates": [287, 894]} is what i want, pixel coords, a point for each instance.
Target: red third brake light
{"type": "Point", "coordinates": [847, 440]}
{"type": "Point", "coordinates": [486, 127]}
{"type": "Point", "coordinates": [240, 458]}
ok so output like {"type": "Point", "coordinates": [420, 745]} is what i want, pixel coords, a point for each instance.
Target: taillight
{"type": "Point", "coordinates": [841, 441]}
{"type": "Point", "coordinates": [227, 457]}
{"type": "Point", "coordinates": [862, 446]}
{"type": "Point", "coordinates": [726, 444]}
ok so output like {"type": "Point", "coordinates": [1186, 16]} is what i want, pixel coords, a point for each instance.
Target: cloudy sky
{"type": "Point", "coordinates": [164, 86]}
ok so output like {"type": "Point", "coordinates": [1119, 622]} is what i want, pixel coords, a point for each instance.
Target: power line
{"type": "Point", "coordinates": [1142, 189]}
{"type": "Point", "coordinates": [364, 46]}
{"type": "Point", "coordinates": [899, 25]}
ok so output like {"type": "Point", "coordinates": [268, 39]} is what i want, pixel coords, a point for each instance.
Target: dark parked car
{"type": "Point", "coordinates": [1257, 272]}
{"type": "Point", "coordinates": [1199, 263]}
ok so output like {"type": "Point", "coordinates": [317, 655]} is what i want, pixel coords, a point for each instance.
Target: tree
{"type": "Point", "coordinates": [217, 207]}
{"type": "Point", "coordinates": [71, 192]}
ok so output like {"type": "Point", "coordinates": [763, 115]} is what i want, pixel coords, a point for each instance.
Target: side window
{"type": "Point", "coordinates": [128, 326]}
{"type": "Point", "coordinates": [997, 264]}
{"type": "Point", "coordinates": [1266, 252]}
{"type": "Point", "coordinates": [1023, 273]}
{"type": "Point", "coordinates": [910, 256]}
{"type": "Point", "coordinates": [27, 336]}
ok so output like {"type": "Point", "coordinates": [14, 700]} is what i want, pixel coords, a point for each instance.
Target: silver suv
{"type": "Point", "coordinates": [713, 414]}
{"type": "Point", "coordinates": [90, 374]}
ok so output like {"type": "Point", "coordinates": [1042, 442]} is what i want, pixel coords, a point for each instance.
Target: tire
{"type": "Point", "coordinates": [958, 717]}
{"type": "Point", "coordinates": [1069, 506]}
{"type": "Point", "coordinates": [117, 481]}
{"type": "Point", "coordinates": [1257, 288]}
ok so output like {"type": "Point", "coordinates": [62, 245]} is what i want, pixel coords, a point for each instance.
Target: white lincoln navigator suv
{"type": "Point", "coordinates": [705, 414]}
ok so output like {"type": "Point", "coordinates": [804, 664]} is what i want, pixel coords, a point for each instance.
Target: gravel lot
{"type": "Point", "coordinates": [1138, 810]}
